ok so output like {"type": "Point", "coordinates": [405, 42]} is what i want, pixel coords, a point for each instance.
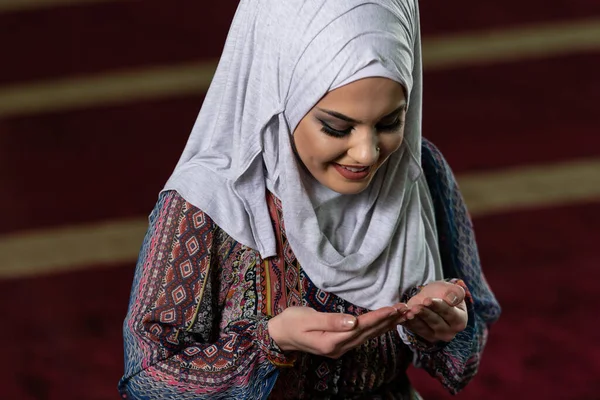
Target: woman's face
{"type": "Point", "coordinates": [351, 132]}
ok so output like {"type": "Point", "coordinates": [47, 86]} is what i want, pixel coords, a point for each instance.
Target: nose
{"type": "Point", "coordinates": [364, 148]}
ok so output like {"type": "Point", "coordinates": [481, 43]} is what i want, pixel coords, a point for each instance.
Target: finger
{"type": "Point", "coordinates": [413, 311]}
{"type": "Point", "coordinates": [456, 317]}
{"type": "Point", "coordinates": [373, 331]}
{"type": "Point", "coordinates": [375, 323]}
{"type": "Point", "coordinates": [372, 318]}
{"type": "Point", "coordinates": [454, 295]}
{"type": "Point", "coordinates": [434, 321]}
{"type": "Point", "coordinates": [327, 343]}
{"type": "Point", "coordinates": [416, 299]}
{"type": "Point", "coordinates": [331, 322]}
{"type": "Point", "coordinates": [365, 324]}
{"type": "Point", "coordinates": [441, 308]}
{"type": "Point", "coordinates": [335, 344]}
{"type": "Point", "coordinates": [420, 328]}
{"type": "Point", "coordinates": [401, 307]}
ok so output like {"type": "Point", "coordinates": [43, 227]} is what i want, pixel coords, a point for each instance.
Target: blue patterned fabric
{"type": "Point", "coordinates": [460, 358]}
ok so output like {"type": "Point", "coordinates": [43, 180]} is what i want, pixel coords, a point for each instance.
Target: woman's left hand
{"type": "Point", "coordinates": [438, 312]}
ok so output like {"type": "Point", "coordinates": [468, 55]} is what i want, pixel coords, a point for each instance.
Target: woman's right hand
{"type": "Point", "coordinates": [331, 334]}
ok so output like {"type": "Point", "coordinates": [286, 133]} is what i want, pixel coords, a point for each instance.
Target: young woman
{"type": "Point", "coordinates": [309, 244]}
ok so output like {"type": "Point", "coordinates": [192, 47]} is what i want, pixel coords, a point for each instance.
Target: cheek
{"type": "Point", "coordinates": [390, 143]}
{"type": "Point", "coordinates": [301, 139]}
{"type": "Point", "coordinates": [314, 147]}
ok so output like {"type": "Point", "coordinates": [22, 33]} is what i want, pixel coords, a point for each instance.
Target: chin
{"type": "Point", "coordinates": [349, 188]}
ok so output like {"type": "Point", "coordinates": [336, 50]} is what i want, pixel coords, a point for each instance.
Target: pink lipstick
{"type": "Point", "coordinates": [352, 172]}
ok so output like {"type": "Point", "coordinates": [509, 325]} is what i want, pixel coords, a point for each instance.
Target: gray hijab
{"type": "Point", "coordinates": [279, 60]}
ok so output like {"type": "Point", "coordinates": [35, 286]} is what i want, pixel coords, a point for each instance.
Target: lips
{"type": "Point", "coordinates": [354, 169]}
{"type": "Point", "coordinates": [352, 172]}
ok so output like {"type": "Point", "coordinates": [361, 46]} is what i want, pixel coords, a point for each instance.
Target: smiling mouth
{"type": "Point", "coordinates": [353, 168]}
{"type": "Point", "coordinates": [352, 172]}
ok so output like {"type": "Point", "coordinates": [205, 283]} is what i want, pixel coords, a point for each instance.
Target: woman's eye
{"type": "Point", "coordinates": [334, 132]}
{"type": "Point", "coordinates": [391, 127]}
{"type": "Point", "coordinates": [339, 133]}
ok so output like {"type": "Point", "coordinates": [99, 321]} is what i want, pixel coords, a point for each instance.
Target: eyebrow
{"type": "Point", "coordinates": [354, 121]}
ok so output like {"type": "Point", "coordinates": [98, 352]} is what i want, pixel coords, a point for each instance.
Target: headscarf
{"type": "Point", "coordinates": [280, 58]}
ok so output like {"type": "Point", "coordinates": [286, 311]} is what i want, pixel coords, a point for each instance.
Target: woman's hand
{"type": "Point", "coordinates": [331, 334]}
{"type": "Point", "coordinates": [438, 312]}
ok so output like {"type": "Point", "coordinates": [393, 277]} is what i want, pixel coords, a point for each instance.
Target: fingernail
{"type": "Point", "coordinates": [393, 313]}
{"type": "Point", "coordinates": [451, 297]}
{"type": "Point", "coordinates": [349, 322]}
{"type": "Point", "coordinates": [401, 308]}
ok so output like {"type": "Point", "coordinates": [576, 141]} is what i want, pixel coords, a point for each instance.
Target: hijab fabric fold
{"type": "Point", "coordinates": [280, 58]}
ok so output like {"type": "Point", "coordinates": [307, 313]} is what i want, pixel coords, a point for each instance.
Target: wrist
{"type": "Point", "coordinates": [276, 333]}
{"type": "Point", "coordinates": [270, 346]}
{"type": "Point", "coordinates": [418, 342]}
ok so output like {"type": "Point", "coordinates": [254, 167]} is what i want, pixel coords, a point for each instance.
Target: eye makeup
{"type": "Point", "coordinates": [340, 133]}
{"type": "Point", "coordinates": [394, 126]}
{"type": "Point", "coordinates": [328, 130]}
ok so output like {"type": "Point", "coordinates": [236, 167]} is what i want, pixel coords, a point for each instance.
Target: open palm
{"type": "Point", "coordinates": [438, 312]}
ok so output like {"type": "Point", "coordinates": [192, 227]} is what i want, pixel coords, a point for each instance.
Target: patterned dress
{"type": "Point", "coordinates": [200, 304]}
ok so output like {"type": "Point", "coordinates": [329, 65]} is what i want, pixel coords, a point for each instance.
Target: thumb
{"type": "Point", "coordinates": [332, 322]}
{"type": "Point", "coordinates": [454, 295]}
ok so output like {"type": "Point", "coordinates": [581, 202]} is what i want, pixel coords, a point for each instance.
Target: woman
{"type": "Point", "coordinates": [307, 244]}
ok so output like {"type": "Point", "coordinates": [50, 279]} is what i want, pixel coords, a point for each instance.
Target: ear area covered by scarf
{"type": "Point", "coordinates": [280, 58]}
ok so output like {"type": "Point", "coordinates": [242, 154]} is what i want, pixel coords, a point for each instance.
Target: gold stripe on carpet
{"type": "Point", "coordinates": [527, 42]}
{"type": "Point", "coordinates": [70, 248]}
{"type": "Point", "coordinates": [113, 88]}
{"type": "Point", "coordinates": [111, 242]}
{"type": "Point", "coordinates": [531, 187]}
{"type": "Point", "coordinates": [117, 87]}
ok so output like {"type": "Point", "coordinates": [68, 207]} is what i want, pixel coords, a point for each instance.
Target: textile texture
{"type": "Point", "coordinates": [280, 58]}
{"type": "Point", "coordinates": [197, 323]}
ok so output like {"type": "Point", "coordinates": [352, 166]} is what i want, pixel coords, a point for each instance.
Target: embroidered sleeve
{"type": "Point", "coordinates": [454, 364]}
{"type": "Point", "coordinates": [183, 337]}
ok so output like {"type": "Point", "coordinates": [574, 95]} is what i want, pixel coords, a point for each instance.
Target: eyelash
{"type": "Point", "coordinates": [339, 134]}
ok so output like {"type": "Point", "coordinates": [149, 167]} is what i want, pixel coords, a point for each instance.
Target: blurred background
{"type": "Point", "coordinates": [97, 98]}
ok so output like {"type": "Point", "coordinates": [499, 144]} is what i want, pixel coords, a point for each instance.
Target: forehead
{"type": "Point", "coordinates": [365, 99]}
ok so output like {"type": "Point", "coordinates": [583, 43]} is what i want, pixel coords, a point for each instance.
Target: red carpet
{"type": "Point", "coordinates": [133, 148]}
{"type": "Point", "coordinates": [511, 114]}
{"type": "Point", "coordinates": [62, 333]}
{"type": "Point", "coordinates": [127, 149]}
{"type": "Point", "coordinates": [95, 37]}
{"type": "Point", "coordinates": [543, 267]}
{"type": "Point", "coordinates": [63, 338]}
{"type": "Point", "coordinates": [481, 15]}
